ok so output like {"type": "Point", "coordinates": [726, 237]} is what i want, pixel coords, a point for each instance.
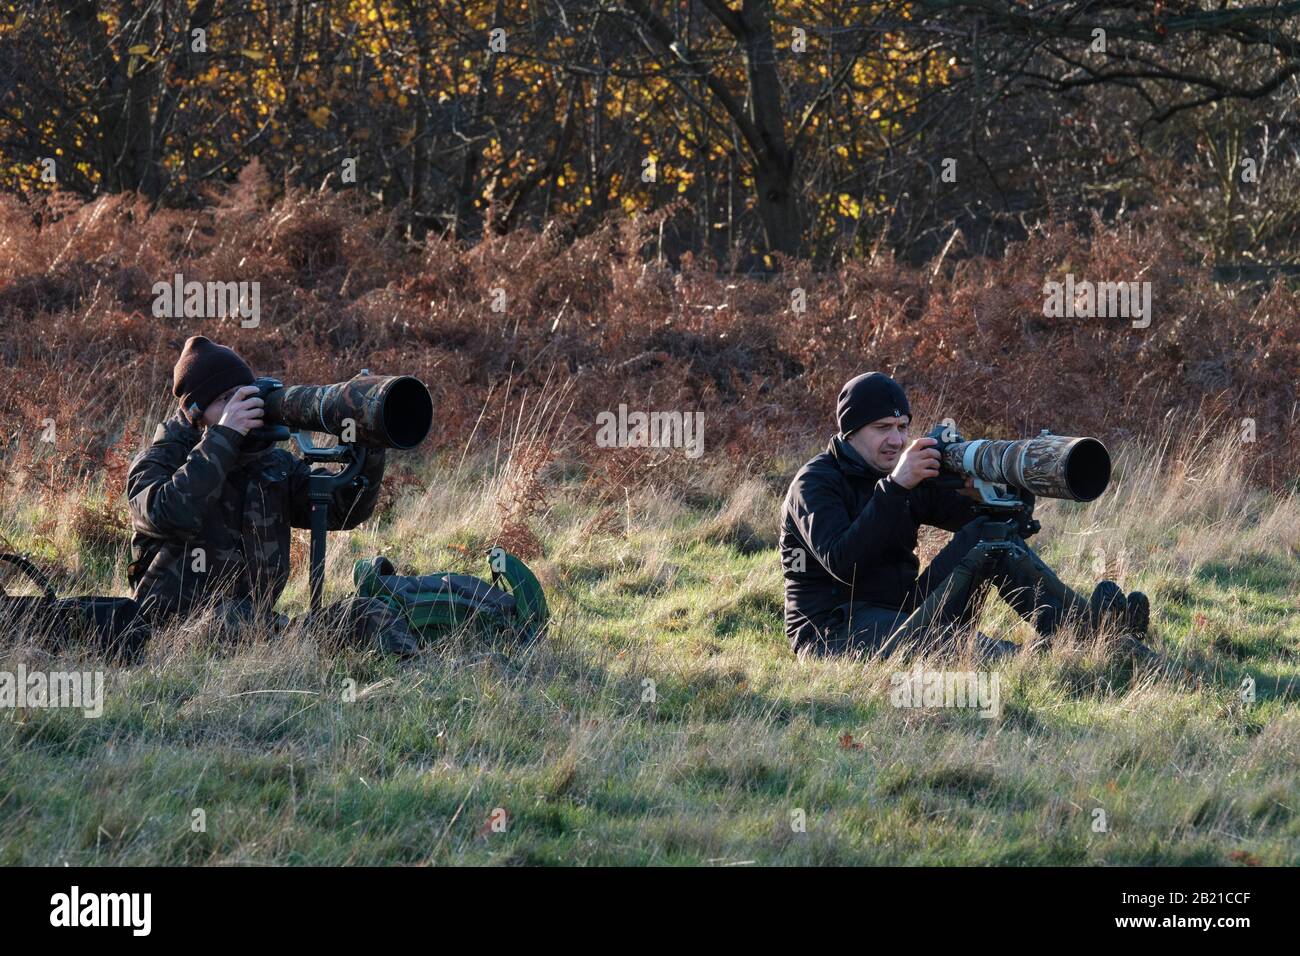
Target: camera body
{"type": "Point", "coordinates": [269, 433]}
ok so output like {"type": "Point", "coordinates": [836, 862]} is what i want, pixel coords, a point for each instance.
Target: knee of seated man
{"type": "Point", "coordinates": [957, 550]}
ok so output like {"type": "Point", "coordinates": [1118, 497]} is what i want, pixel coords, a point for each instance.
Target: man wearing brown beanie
{"type": "Point", "coordinates": [211, 508]}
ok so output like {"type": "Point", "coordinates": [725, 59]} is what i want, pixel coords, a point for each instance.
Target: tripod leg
{"type": "Point", "coordinates": [1037, 594]}
{"type": "Point", "coordinates": [946, 607]}
{"type": "Point", "coordinates": [316, 572]}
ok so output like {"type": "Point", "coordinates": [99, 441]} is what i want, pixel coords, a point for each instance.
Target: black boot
{"type": "Point", "coordinates": [1139, 614]}
{"type": "Point", "coordinates": [1107, 605]}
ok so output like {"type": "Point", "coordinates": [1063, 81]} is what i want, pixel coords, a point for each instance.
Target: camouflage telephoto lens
{"type": "Point", "coordinates": [1050, 466]}
{"type": "Point", "coordinates": [387, 411]}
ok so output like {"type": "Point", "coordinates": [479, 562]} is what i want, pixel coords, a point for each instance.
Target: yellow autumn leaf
{"type": "Point", "coordinates": [140, 48]}
{"type": "Point", "coordinates": [254, 54]}
{"type": "Point", "coordinates": [319, 116]}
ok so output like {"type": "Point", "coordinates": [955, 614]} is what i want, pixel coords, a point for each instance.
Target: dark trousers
{"type": "Point", "coordinates": [946, 598]}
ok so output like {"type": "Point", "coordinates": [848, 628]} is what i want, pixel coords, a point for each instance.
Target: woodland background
{"type": "Point", "coordinates": [658, 188]}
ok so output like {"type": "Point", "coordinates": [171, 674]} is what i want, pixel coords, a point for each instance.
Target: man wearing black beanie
{"type": "Point", "coordinates": [849, 536]}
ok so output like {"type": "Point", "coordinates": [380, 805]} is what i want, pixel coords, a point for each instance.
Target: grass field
{"type": "Point", "coordinates": [665, 720]}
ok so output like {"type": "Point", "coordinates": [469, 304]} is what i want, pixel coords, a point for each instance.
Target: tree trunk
{"type": "Point", "coordinates": [760, 121]}
{"type": "Point", "coordinates": [774, 161]}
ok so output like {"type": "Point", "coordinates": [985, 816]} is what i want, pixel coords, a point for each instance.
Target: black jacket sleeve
{"type": "Point", "coordinates": [838, 544]}
{"type": "Point", "coordinates": [942, 507]}
{"type": "Point", "coordinates": [351, 505]}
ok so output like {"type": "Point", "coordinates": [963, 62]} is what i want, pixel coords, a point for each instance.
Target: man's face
{"type": "Point", "coordinates": [882, 442]}
{"type": "Point", "coordinates": [212, 414]}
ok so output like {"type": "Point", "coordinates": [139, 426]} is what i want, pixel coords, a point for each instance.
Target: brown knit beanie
{"type": "Point", "coordinates": [204, 371]}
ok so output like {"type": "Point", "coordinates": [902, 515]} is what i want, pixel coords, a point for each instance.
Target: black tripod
{"type": "Point", "coordinates": [321, 487]}
{"type": "Point", "coordinates": [1003, 535]}
{"type": "Point", "coordinates": [1000, 546]}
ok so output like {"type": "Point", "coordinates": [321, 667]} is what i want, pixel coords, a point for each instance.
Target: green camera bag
{"type": "Point", "coordinates": [438, 604]}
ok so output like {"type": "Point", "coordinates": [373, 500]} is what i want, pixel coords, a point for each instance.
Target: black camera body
{"type": "Point", "coordinates": [268, 433]}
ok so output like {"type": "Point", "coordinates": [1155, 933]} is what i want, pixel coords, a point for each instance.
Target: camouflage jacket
{"type": "Point", "coordinates": [212, 522]}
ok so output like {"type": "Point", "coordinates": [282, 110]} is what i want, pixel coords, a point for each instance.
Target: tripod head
{"type": "Point", "coordinates": [1007, 520]}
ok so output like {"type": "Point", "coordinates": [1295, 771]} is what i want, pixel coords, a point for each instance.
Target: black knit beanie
{"type": "Point", "coordinates": [206, 370]}
{"type": "Point", "coordinates": [867, 398]}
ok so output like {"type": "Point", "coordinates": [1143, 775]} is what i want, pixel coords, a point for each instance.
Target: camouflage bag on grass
{"type": "Point", "coordinates": [438, 604]}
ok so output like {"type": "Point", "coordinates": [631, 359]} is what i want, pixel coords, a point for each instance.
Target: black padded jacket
{"type": "Point", "coordinates": [848, 536]}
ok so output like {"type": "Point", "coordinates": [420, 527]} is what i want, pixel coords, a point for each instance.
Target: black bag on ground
{"type": "Point", "coordinates": [111, 625]}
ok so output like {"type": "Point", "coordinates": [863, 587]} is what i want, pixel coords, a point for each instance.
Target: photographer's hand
{"type": "Point", "coordinates": [969, 490]}
{"type": "Point", "coordinates": [244, 410]}
{"type": "Point", "coordinates": [919, 461]}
